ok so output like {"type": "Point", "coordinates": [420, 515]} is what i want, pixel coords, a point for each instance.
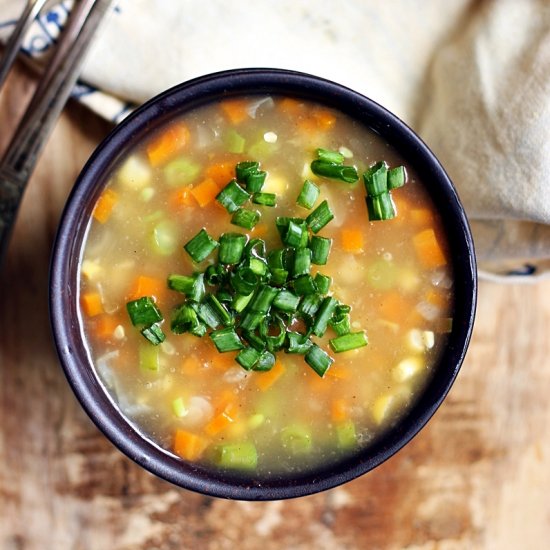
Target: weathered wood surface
{"type": "Point", "coordinates": [477, 477]}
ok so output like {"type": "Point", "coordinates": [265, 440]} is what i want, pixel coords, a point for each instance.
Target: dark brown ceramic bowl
{"type": "Point", "coordinates": [67, 254]}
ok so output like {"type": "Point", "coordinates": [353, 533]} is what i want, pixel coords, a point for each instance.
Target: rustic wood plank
{"type": "Point", "coordinates": [476, 477]}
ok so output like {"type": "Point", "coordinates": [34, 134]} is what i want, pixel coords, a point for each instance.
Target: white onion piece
{"type": "Point", "coordinates": [253, 107]}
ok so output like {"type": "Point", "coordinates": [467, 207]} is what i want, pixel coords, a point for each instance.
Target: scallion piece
{"type": "Point", "coordinates": [286, 301]}
{"type": "Point", "coordinates": [320, 249]}
{"type": "Point", "coordinates": [302, 262]}
{"type": "Point", "coordinates": [255, 182]}
{"type": "Point", "coordinates": [298, 343]}
{"type": "Point", "coordinates": [240, 301]}
{"type": "Point", "coordinates": [304, 285]}
{"type": "Point", "coordinates": [332, 170]}
{"type": "Point", "coordinates": [185, 319]}
{"type": "Point", "coordinates": [266, 361]}
{"type": "Point", "coordinates": [330, 156]}
{"type": "Point", "coordinates": [380, 207]}
{"type": "Point", "coordinates": [263, 299]}
{"type": "Point", "coordinates": [265, 199]}
{"type": "Point", "coordinates": [396, 177]}
{"type": "Point", "coordinates": [154, 334]}
{"type": "Point", "coordinates": [231, 248]}
{"type": "Point", "coordinates": [181, 283]}
{"type": "Point", "coordinates": [258, 266]}
{"type": "Point", "coordinates": [245, 168]}
{"type": "Point", "coordinates": [308, 195]}
{"type": "Point", "coordinates": [224, 296]}
{"type": "Point", "coordinates": [255, 248]}
{"type": "Point", "coordinates": [279, 276]}
{"type": "Point", "coordinates": [200, 246]}
{"type": "Point", "coordinates": [318, 359]}
{"type": "Point", "coordinates": [320, 217]}
{"type": "Point", "coordinates": [323, 316]}
{"type": "Point", "coordinates": [198, 291]}
{"type": "Point", "coordinates": [250, 320]}
{"type": "Point", "coordinates": [208, 316]}
{"type": "Point", "coordinates": [254, 340]}
{"type": "Point", "coordinates": [296, 234]}
{"type": "Point", "coordinates": [245, 218]}
{"type": "Point", "coordinates": [274, 340]}
{"type": "Point", "coordinates": [248, 357]}
{"type": "Point", "coordinates": [310, 305]}
{"type": "Point", "coordinates": [347, 342]}
{"type": "Point", "coordinates": [143, 311]}
{"type": "Point", "coordinates": [322, 282]}
{"type": "Point", "coordinates": [219, 309]}
{"type": "Point", "coordinates": [244, 280]}
{"type": "Point", "coordinates": [275, 259]}
{"type": "Point", "coordinates": [340, 323]}
{"type": "Point", "coordinates": [376, 179]}
{"type": "Point", "coordinates": [226, 339]}
{"type": "Point", "coordinates": [232, 196]}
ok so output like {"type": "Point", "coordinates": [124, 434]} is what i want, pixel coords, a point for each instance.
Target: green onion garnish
{"type": "Point", "coordinates": [330, 156]}
{"type": "Point", "coordinates": [244, 280]}
{"type": "Point", "coordinates": [154, 334]}
{"type": "Point", "coordinates": [310, 305]}
{"type": "Point", "coordinates": [226, 339]}
{"type": "Point", "coordinates": [265, 199]}
{"type": "Point", "coordinates": [340, 323]}
{"type": "Point", "coordinates": [232, 196]}
{"type": "Point", "coordinates": [255, 182]}
{"type": "Point", "coordinates": [200, 246]}
{"type": "Point", "coordinates": [380, 207]}
{"type": "Point", "coordinates": [396, 177]}
{"type": "Point", "coordinates": [320, 249]}
{"type": "Point", "coordinates": [245, 169]}
{"type": "Point", "coordinates": [231, 248]}
{"type": "Point", "coordinates": [308, 195]}
{"type": "Point", "coordinates": [181, 283]}
{"type": "Point", "coordinates": [245, 218]}
{"type": "Point", "coordinates": [143, 311]}
{"type": "Point", "coordinates": [347, 342]}
{"type": "Point", "coordinates": [318, 359]}
{"type": "Point", "coordinates": [185, 319]}
{"type": "Point", "coordinates": [248, 357]}
{"type": "Point", "coordinates": [304, 285]}
{"type": "Point", "coordinates": [263, 299]}
{"type": "Point", "coordinates": [323, 316]}
{"type": "Point", "coordinates": [240, 301]}
{"type": "Point", "coordinates": [266, 361]}
{"type": "Point", "coordinates": [322, 282]}
{"type": "Point", "coordinates": [296, 234]}
{"type": "Point", "coordinates": [332, 170]}
{"type": "Point", "coordinates": [298, 343]}
{"type": "Point", "coordinates": [376, 179]}
{"type": "Point", "coordinates": [286, 301]}
{"type": "Point", "coordinates": [320, 217]}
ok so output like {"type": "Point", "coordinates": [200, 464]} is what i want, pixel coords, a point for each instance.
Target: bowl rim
{"type": "Point", "coordinates": [67, 247]}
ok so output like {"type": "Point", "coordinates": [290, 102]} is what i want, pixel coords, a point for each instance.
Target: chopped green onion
{"type": "Point", "coordinates": [265, 199]}
{"type": "Point", "coordinates": [143, 311]}
{"type": "Point", "coordinates": [240, 301]}
{"type": "Point", "coordinates": [322, 282]}
{"type": "Point", "coordinates": [304, 285]}
{"type": "Point", "coordinates": [350, 341]}
{"type": "Point", "coordinates": [330, 156]}
{"type": "Point", "coordinates": [231, 248]}
{"type": "Point", "coordinates": [255, 248]}
{"type": "Point", "coordinates": [240, 456]}
{"type": "Point", "coordinates": [298, 343]}
{"type": "Point", "coordinates": [274, 342]}
{"type": "Point", "coordinates": [254, 340]}
{"type": "Point", "coordinates": [219, 309]}
{"type": "Point", "coordinates": [263, 299]}
{"type": "Point", "coordinates": [297, 439]}
{"type": "Point", "coordinates": [318, 359]}
{"type": "Point", "coordinates": [181, 283]}
{"type": "Point", "coordinates": [308, 195]}
{"type": "Point", "coordinates": [232, 196]}
{"type": "Point", "coordinates": [226, 339]}
{"type": "Point", "coordinates": [234, 142]}
{"type": "Point", "coordinates": [198, 291]}
{"type": "Point", "coordinates": [323, 316]}
{"type": "Point", "coordinates": [320, 217]}
{"type": "Point", "coordinates": [275, 259]}
{"type": "Point", "coordinates": [245, 218]}
{"type": "Point", "coordinates": [332, 170]}
{"type": "Point", "coordinates": [279, 276]}
{"type": "Point", "coordinates": [208, 316]}
{"type": "Point", "coordinates": [320, 249]}
{"type": "Point", "coordinates": [154, 334]}
{"type": "Point", "coordinates": [286, 301]}
{"type": "Point", "coordinates": [376, 179]}
{"type": "Point", "coordinates": [244, 280]}
{"type": "Point", "coordinates": [255, 182]}
{"type": "Point", "coordinates": [200, 246]}
{"type": "Point", "coordinates": [246, 168]}
{"type": "Point", "coordinates": [396, 177]}
{"type": "Point", "coordinates": [302, 262]}
{"type": "Point", "coordinates": [380, 207]}
{"type": "Point", "coordinates": [296, 234]}
{"type": "Point", "coordinates": [251, 320]}
{"type": "Point", "coordinates": [266, 362]}
{"type": "Point", "coordinates": [258, 266]}
{"type": "Point", "coordinates": [185, 319]}
{"type": "Point", "coordinates": [248, 357]}
{"type": "Point", "coordinates": [216, 274]}
{"type": "Point", "coordinates": [310, 305]}
{"type": "Point", "coordinates": [340, 323]}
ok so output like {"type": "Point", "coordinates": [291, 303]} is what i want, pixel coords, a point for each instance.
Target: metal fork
{"type": "Point", "coordinates": [46, 103]}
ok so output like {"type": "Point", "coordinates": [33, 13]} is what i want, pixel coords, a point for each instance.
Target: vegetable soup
{"type": "Point", "coordinates": [265, 286]}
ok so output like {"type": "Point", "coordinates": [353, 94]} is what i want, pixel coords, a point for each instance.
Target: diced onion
{"type": "Point", "coordinates": [407, 369]}
{"type": "Point", "coordinates": [135, 173]}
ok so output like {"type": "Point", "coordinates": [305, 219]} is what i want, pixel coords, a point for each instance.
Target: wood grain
{"type": "Point", "coordinates": [477, 477]}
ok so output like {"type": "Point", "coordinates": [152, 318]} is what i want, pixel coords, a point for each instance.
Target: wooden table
{"type": "Point", "coordinates": [477, 477]}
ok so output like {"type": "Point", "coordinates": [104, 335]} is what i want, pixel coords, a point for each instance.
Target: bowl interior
{"type": "Point", "coordinates": [67, 252]}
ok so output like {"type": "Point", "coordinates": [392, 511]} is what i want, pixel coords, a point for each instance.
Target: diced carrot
{"type": "Point", "coordinates": [190, 365]}
{"type": "Point", "coordinates": [188, 445]}
{"type": "Point", "coordinates": [181, 199]}
{"type": "Point", "coordinates": [167, 144]}
{"type": "Point", "coordinates": [222, 420]}
{"type": "Point", "coordinates": [428, 250]}
{"type": "Point", "coordinates": [91, 304]}
{"type": "Point", "coordinates": [339, 372]}
{"type": "Point", "coordinates": [352, 240]}
{"type": "Point", "coordinates": [104, 205]}
{"type": "Point", "coordinates": [325, 119]}
{"type": "Point", "coordinates": [436, 298]}
{"type": "Point", "coordinates": [235, 110]}
{"type": "Point", "coordinates": [290, 106]}
{"type": "Point", "coordinates": [148, 286]}
{"type": "Point", "coordinates": [422, 216]}
{"type": "Point", "coordinates": [205, 192]}
{"type": "Point", "coordinates": [395, 307]}
{"type": "Point", "coordinates": [105, 326]}
{"type": "Point", "coordinates": [225, 398]}
{"type": "Point", "coordinates": [265, 380]}
{"type": "Point", "coordinates": [222, 173]}
{"type": "Point", "coordinates": [307, 125]}
{"type": "Point", "coordinates": [338, 410]}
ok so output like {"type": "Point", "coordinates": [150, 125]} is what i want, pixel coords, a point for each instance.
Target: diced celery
{"type": "Point", "coordinates": [262, 149]}
{"type": "Point", "coordinates": [241, 456]}
{"type": "Point", "coordinates": [179, 408]}
{"type": "Point", "coordinates": [345, 433]}
{"type": "Point", "coordinates": [297, 439]}
{"type": "Point", "coordinates": [181, 171]}
{"type": "Point", "coordinates": [149, 357]}
{"type": "Point", "coordinates": [165, 238]}
{"type": "Point", "coordinates": [233, 141]}
{"type": "Point", "coordinates": [255, 421]}
{"type": "Point", "coordinates": [382, 274]}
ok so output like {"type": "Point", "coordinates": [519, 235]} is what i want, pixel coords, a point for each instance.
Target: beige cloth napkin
{"type": "Point", "coordinates": [472, 77]}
